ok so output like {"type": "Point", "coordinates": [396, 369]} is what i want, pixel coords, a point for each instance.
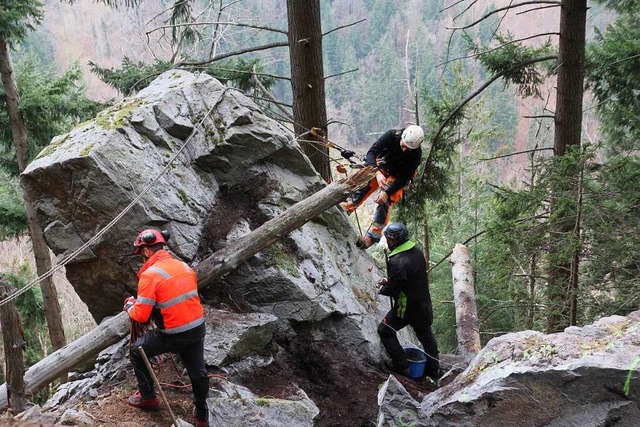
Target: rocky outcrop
{"type": "Point", "coordinates": [198, 158]}
{"type": "Point", "coordinates": [234, 405]}
{"type": "Point", "coordinates": [232, 337]}
{"type": "Point", "coordinates": [581, 377]}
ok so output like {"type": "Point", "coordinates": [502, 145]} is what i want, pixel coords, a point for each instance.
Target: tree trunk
{"type": "Point", "coordinates": [464, 298]}
{"type": "Point", "coordinates": [209, 270]}
{"type": "Point", "coordinates": [14, 345]}
{"type": "Point", "coordinates": [40, 249]}
{"type": "Point", "coordinates": [427, 253]}
{"type": "Point", "coordinates": [567, 133]}
{"type": "Point", "coordinates": [307, 80]}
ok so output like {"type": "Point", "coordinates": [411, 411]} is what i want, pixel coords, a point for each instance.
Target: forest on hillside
{"type": "Point", "coordinates": [552, 225]}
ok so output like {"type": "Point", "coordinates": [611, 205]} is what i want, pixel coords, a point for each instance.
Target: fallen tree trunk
{"type": "Point", "coordinates": [217, 265]}
{"type": "Point", "coordinates": [234, 254]}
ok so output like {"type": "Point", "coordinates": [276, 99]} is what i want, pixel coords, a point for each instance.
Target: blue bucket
{"type": "Point", "coordinates": [417, 361]}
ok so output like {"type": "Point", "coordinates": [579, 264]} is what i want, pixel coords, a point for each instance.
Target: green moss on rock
{"type": "Point", "coordinates": [53, 146]}
{"type": "Point", "coordinates": [114, 117]}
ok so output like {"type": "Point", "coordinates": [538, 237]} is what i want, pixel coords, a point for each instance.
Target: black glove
{"type": "Point", "coordinates": [128, 303]}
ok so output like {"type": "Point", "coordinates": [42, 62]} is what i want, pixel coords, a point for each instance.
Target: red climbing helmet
{"type": "Point", "coordinates": [149, 237]}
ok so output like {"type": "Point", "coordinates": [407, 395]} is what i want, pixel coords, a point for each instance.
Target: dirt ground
{"type": "Point", "coordinates": [344, 389]}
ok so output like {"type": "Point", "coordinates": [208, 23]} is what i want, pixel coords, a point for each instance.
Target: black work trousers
{"type": "Point", "coordinates": [387, 331]}
{"type": "Point", "coordinates": [189, 345]}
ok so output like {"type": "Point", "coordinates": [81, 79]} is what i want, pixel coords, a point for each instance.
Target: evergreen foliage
{"type": "Point", "coordinates": [440, 104]}
{"type": "Point", "coordinates": [613, 68]}
{"type": "Point", "coordinates": [621, 6]}
{"type": "Point", "coordinates": [133, 76]}
{"type": "Point", "coordinates": [31, 309]}
{"type": "Point", "coordinates": [13, 217]}
{"type": "Point", "coordinates": [50, 106]}
{"type": "Point", "coordinates": [19, 17]}
{"type": "Point", "coordinates": [611, 254]}
{"type": "Point", "coordinates": [503, 60]}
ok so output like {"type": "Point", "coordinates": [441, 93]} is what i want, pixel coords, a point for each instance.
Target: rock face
{"type": "Point", "coordinates": [234, 405]}
{"type": "Point", "coordinates": [581, 377]}
{"type": "Point", "coordinates": [193, 156]}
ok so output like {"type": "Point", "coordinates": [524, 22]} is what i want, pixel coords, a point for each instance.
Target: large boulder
{"type": "Point", "coordinates": [198, 158]}
{"type": "Point", "coordinates": [581, 377]}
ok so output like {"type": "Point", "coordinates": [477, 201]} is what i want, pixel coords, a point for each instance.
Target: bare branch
{"type": "Point", "coordinates": [504, 15]}
{"type": "Point", "coordinates": [493, 12]}
{"type": "Point", "coordinates": [453, 5]}
{"type": "Point", "coordinates": [542, 116]}
{"type": "Point", "coordinates": [625, 59]}
{"type": "Point", "coordinates": [449, 7]}
{"type": "Point", "coordinates": [448, 50]}
{"type": "Point", "coordinates": [279, 117]}
{"type": "Point", "coordinates": [406, 66]}
{"type": "Point", "coordinates": [339, 74]}
{"type": "Point", "coordinates": [162, 12]}
{"type": "Point", "coordinates": [480, 233]}
{"type": "Point", "coordinates": [332, 121]}
{"type": "Point", "coordinates": [237, 24]}
{"type": "Point", "coordinates": [257, 74]}
{"type": "Point", "coordinates": [214, 38]}
{"type": "Point", "coordinates": [516, 153]}
{"type": "Point", "coordinates": [229, 4]}
{"type": "Point", "coordinates": [264, 90]}
{"type": "Point", "coordinates": [342, 26]}
{"type": "Point", "coordinates": [467, 8]}
{"type": "Point", "coordinates": [455, 111]}
{"type": "Point", "coordinates": [498, 47]}
{"type": "Point", "coordinates": [237, 52]}
{"type": "Point", "coordinates": [259, 98]}
{"type": "Point", "coordinates": [536, 8]}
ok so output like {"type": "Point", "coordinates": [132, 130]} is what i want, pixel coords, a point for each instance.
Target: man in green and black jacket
{"type": "Point", "coordinates": [407, 285]}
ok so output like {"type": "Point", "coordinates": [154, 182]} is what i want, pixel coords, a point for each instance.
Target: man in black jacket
{"type": "Point", "coordinates": [407, 284]}
{"type": "Point", "coordinates": [397, 155]}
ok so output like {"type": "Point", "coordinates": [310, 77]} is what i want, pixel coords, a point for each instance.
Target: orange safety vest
{"type": "Point", "coordinates": [168, 287]}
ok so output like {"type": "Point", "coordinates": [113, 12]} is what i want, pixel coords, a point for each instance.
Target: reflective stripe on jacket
{"type": "Point", "coordinates": [168, 291]}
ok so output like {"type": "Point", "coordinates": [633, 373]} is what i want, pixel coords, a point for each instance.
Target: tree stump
{"type": "Point", "coordinates": [14, 345]}
{"type": "Point", "coordinates": [464, 299]}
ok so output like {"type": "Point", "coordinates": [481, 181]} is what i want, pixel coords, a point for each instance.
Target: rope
{"type": "Point", "coordinates": [100, 233]}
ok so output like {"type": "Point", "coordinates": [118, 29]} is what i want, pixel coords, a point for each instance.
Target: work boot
{"type": "Point", "coordinates": [347, 206]}
{"type": "Point", "coordinates": [137, 401]}
{"type": "Point", "coordinates": [435, 376]}
{"type": "Point", "coordinates": [391, 367]}
{"type": "Point", "coordinates": [364, 242]}
{"type": "Point", "coordinates": [200, 422]}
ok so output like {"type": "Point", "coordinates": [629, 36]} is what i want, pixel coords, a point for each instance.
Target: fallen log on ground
{"type": "Point", "coordinates": [209, 270]}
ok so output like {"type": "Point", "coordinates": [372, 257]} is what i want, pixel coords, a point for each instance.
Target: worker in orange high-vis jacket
{"type": "Point", "coordinates": [168, 295]}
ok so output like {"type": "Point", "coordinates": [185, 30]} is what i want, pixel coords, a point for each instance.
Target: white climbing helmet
{"type": "Point", "coordinates": [413, 136]}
